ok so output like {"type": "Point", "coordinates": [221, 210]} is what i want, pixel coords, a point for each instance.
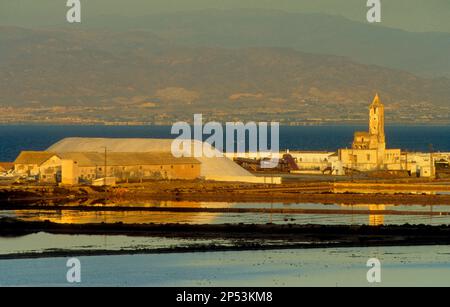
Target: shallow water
{"type": "Point", "coordinates": [400, 266]}
{"type": "Point", "coordinates": [44, 242]}
{"type": "Point", "coordinates": [351, 214]}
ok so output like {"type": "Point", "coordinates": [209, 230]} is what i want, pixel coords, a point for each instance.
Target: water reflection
{"type": "Point", "coordinates": [295, 213]}
{"type": "Point", "coordinates": [129, 217]}
{"type": "Point", "coordinates": [376, 216]}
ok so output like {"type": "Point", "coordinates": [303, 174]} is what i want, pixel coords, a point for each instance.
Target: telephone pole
{"type": "Point", "coordinates": [432, 171]}
{"type": "Point", "coordinates": [106, 173]}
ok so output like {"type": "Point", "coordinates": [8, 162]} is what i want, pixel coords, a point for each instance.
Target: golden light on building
{"type": "Point", "coordinates": [368, 151]}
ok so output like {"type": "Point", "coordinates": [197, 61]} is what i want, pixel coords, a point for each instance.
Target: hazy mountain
{"type": "Point", "coordinates": [145, 74]}
{"type": "Point", "coordinates": [422, 53]}
{"type": "Point", "coordinates": [410, 15]}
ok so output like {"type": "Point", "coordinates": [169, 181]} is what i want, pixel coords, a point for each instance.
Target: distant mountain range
{"type": "Point", "coordinates": [422, 53]}
{"type": "Point", "coordinates": [210, 64]}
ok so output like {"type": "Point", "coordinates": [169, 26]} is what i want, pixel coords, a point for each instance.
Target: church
{"type": "Point", "coordinates": [369, 152]}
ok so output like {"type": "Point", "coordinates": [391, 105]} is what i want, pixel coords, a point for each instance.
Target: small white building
{"type": "Point", "coordinates": [419, 164]}
{"type": "Point", "coordinates": [314, 161]}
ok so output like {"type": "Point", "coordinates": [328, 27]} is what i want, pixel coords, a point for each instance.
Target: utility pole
{"type": "Point", "coordinates": [432, 172]}
{"type": "Point", "coordinates": [351, 163]}
{"type": "Point", "coordinates": [406, 160]}
{"type": "Point", "coordinates": [106, 173]}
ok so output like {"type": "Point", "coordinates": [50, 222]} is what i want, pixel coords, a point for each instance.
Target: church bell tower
{"type": "Point", "coordinates": [376, 123]}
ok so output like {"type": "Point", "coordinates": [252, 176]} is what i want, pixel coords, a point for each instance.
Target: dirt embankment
{"type": "Point", "coordinates": [300, 192]}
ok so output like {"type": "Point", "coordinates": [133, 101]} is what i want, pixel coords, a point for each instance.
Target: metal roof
{"type": "Point", "coordinates": [6, 166]}
{"type": "Point", "coordinates": [33, 157]}
{"type": "Point", "coordinates": [125, 159]}
{"type": "Point", "coordinates": [112, 159]}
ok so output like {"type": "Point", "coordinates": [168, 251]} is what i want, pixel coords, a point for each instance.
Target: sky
{"type": "Point", "coordinates": [410, 15]}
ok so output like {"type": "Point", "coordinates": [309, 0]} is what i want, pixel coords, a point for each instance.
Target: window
{"type": "Point", "coordinates": [368, 157]}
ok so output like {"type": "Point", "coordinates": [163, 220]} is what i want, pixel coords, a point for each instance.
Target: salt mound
{"type": "Point", "coordinates": [210, 167]}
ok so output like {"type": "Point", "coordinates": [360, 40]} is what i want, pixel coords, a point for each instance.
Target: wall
{"type": "Point", "coordinates": [50, 170]}
{"type": "Point", "coordinates": [141, 172]}
{"type": "Point", "coordinates": [367, 159]}
{"type": "Point", "coordinates": [69, 172]}
{"type": "Point", "coordinates": [420, 164]}
{"type": "Point", "coordinates": [27, 169]}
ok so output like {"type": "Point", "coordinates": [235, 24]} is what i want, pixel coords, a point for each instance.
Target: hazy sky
{"type": "Point", "coordinates": [412, 15]}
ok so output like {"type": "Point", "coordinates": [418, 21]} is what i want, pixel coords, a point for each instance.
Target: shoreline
{"type": "Point", "coordinates": [242, 236]}
{"type": "Point", "coordinates": [396, 192]}
{"type": "Point", "coordinates": [213, 248]}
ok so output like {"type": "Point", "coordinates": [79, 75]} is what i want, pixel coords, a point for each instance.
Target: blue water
{"type": "Point", "coordinates": [400, 266]}
{"type": "Point", "coordinates": [13, 139]}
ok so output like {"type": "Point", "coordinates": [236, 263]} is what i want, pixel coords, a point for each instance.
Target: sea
{"type": "Point", "coordinates": [15, 138]}
{"type": "Point", "coordinates": [400, 266]}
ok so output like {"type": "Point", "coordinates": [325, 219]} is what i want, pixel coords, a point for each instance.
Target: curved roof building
{"type": "Point", "coordinates": [216, 168]}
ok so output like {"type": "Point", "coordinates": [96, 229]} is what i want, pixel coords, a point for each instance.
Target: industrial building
{"type": "Point", "coordinates": [87, 160]}
{"type": "Point", "coordinates": [216, 167]}
{"type": "Point", "coordinates": [29, 162]}
{"type": "Point", "coordinates": [306, 162]}
{"type": "Point", "coordinates": [86, 167]}
{"type": "Point", "coordinates": [126, 167]}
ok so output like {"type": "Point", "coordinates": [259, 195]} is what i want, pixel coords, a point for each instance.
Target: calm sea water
{"type": "Point", "coordinates": [400, 266]}
{"type": "Point", "coordinates": [14, 138]}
